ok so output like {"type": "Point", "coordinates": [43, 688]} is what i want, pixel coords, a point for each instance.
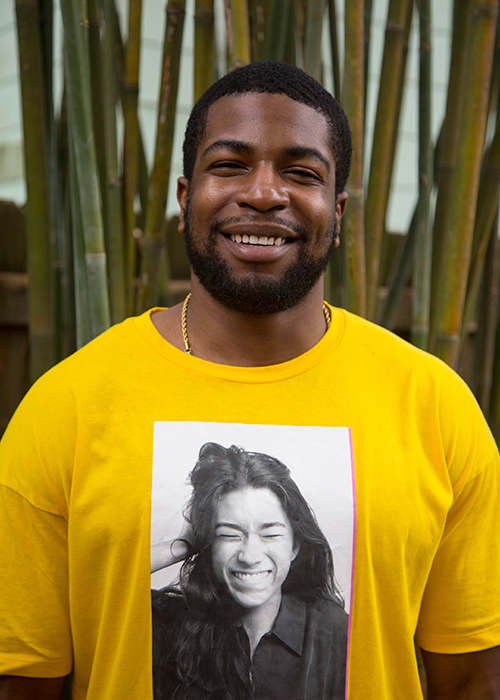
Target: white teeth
{"type": "Point", "coordinates": [257, 240]}
{"type": "Point", "coordinates": [251, 576]}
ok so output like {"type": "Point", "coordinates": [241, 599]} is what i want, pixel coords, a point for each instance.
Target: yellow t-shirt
{"type": "Point", "coordinates": [75, 504]}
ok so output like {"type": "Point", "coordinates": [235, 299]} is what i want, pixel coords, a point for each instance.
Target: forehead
{"type": "Point", "coordinates": [273, 121]}
{"type": "Point", "coordinates": [260, 505]}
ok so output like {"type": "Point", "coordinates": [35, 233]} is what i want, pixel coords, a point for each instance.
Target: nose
{"type": "Point", "coordinates": [250, 552]}
{"type": "Point", "coordinates": [263, 189]}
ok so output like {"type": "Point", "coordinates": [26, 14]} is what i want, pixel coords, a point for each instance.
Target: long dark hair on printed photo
{"type": "Point", "coordinates": [207, 649]}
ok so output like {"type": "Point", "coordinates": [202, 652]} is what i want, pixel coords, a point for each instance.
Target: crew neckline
{"type": "Point", "coordinates": [251, 375]}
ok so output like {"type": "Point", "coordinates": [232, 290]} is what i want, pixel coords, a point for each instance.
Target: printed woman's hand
{"type": "Point", "coordinates": [168, 552]}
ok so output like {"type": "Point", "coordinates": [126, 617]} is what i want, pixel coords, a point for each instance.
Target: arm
{"type": "Point", "coordinates": [472, 676]}
{"type": "Point", "coordinates": [18, 688]}
{"type": "Point", "coordinates": [168, 552]}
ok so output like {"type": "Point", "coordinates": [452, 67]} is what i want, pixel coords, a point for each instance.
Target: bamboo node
{"type": "Point", "coordinates": [393, 28]}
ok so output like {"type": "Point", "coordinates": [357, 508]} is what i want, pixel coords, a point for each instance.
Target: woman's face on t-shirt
{"type": "Point", "coordinates": [253, 547]}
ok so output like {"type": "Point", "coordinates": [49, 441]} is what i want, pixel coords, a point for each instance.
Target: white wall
{"type": "Point", "coordinates": [404, 188]}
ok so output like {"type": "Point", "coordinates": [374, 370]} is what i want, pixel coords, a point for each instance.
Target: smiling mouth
{"type": "Point", "coordinates": [257, 240]}
{"type": "Point", "coordinates": [251, 576]}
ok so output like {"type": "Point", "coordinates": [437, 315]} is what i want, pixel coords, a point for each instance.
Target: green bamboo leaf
{"type": "Point", "coordinates": [353, 100]}
{"type": "Point", "coordinates": [458, 237]}
{"type": "Point", "coordinates": [383, 143]}
{"type": "Point", "coordinates": [422, 266]}
{"type": "Point", "coordinates": [75, 25]}
{"type": "Point", "coordinates": [160, 174]}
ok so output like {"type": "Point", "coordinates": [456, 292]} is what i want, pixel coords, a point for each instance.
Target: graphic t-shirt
{"type": "Point", "coordinates": [384, 442]}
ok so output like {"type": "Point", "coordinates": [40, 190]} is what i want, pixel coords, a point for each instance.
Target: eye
{"type": "Point", "coordinates": [304, 174]}
{"type": "Point", "coordinates": [226, 168]}
{"type": "Point", "coordinates": [273, 536]}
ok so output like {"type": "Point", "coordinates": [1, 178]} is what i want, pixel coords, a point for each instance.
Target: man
{"type": "Point", "coordinates": [266, 159]}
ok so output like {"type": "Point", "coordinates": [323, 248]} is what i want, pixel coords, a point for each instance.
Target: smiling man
{"type": "Point", "coordinates": [266, 159]}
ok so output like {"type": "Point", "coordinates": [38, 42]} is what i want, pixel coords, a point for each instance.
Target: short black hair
{"type": "Point", "coordinates": [275, 78]}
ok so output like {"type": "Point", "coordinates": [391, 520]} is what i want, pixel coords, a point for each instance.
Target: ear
{"type": "Point", "coordinates": [295, 551]}
{"type": "Point", "coordinates": [182, 197]}
{"type": "Point", "coordinates": [340, 205]}
{"type": "Point", "coordinates": [339, 213]}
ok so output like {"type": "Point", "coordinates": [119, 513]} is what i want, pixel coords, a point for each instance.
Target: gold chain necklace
{"type": "Point", "coordinates": [187, 346]}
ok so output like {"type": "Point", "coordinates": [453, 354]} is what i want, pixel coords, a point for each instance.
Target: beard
{"type": "Point", "coordinates": [255, 293]}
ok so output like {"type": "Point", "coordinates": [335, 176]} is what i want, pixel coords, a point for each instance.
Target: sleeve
{"type": "Point", "coordinates": [460, 610]}
{"type": "Point", "coordinates": [35, 637]}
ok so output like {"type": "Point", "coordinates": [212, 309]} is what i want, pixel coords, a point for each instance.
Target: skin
{"type": "Point", "coordinates": [270, 124]}
{"type": "Point", "coordinates": [252, 554]}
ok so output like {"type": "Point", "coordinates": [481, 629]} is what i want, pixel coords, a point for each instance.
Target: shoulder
{"type": "Point", "coordinates": [326, 611]}
{"type": "Point", "coordinates": [168, 606]}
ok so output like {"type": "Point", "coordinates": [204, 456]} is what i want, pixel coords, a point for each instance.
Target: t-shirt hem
{"type": "Point", "coordinates": [15, 666]}
{"type": "Point", "coordinates": [475, 641]}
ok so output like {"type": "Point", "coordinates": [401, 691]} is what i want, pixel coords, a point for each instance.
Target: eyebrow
{"type": "Point", "coordinates": [264, 526]}
{"type": "Point", "coordinates": [238, 146]}
{"type": "Point", "coordinates": [290, 151]}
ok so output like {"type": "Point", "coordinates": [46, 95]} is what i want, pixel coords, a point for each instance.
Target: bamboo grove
{"type": "Point", "coordinates": [99, 245]}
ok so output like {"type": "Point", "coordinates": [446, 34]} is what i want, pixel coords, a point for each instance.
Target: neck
{"type": "Point", "coordinates": [222, 335]}
{"type": "Point", "coordinates": [228, 337]}
{"type": "Point", "coordinates": [259, 621]}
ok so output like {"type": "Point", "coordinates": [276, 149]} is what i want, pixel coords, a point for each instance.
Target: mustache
{"type": "Point", "coordinates": [218, 224]}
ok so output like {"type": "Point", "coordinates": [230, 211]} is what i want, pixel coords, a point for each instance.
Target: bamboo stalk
{"type": "Point", "coordinates": [400, 274]}
{"type": "Point", "coordinates": [291, 39]}
{"type": "Point", "coordinates": [96, 94]}
{"type": "Point", "coordinates": [487, 206]}
{"type": "Point", "coordinates": [279, 18]}
{"type": "Point", "coordinates": [422, 266]}
{"type": "Point", "coordinates": [160, 174]}
{"type": "Point", "coordinates": [368, 24]}
{"type": "Point", "coordinates": [448, 141]}
{"type": "Point", "coordinates": [80, 123]}
{"type": "Point", "coordinates": [334, 44]}
{"type": "Point", "coordinates": [204, 47]}
{"type": "Point", "coordinates": [313, 34]}
{"type": "Point", "coordinates": [130, 99]}
{"type": "Point", "coordinates": [259, 25]}
{"type": "Point", "coordinates": [353, 100]}
{"type": "Point", "coordinates": [41, 330]}
{"type": "Point", "coordinates": [114, 221]}
{"type": "Point", "coordinates": [299, 12]}
{"type": "Point", "coordinates": [457, 244]}
{"type": "Point", "coordinates": [382, 150]}
{"type": "Point", "coordinates": [238, 34]}
{"type": "Point", "coordinates": [82, 308]}
{"type": "Point", "coordinates": [56, 234]}
{"type": "Point", "coordinates": [485, 344]}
